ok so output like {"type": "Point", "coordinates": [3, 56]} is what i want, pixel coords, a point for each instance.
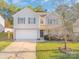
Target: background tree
{"type": "Point", "coordinates": [70, 13]}
{"type": "Point", "coordinates": [3, 4]}
{"type": "Point", "coordinates": [13, 9]}
{"type": "Point", "coordinates": [76, 7]}
{"type": "Point", "coordinates": [30, 6]}
{"type": "Point", "coordinates": [39, 9]}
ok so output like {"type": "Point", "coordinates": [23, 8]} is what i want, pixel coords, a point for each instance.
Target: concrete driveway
{"type": "Point", "coordinates": [19, 50]}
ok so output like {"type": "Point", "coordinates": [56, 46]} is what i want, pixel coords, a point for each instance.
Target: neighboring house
{"type": "Point", "coordinates": [2, 23]}
{"type": "Point", "coordinates": [34, 25]}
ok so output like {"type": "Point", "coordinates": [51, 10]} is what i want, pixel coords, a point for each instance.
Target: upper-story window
{"type": "Point", "coordinates": [55, 21]}
{"type": "Point", "coordinates": [21, 20]}
{"type": "Point", "coordinates": [52, 21]}
{"type": "Point", "coordinates": [49, 21]}
{"type": "Point", "coordinates": [31, 20]}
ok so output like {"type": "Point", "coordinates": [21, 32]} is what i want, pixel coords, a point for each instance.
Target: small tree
{"type": "Point", "coordinates": [67, 18]}
{"type": "Point", "coordinates": [68, 31]}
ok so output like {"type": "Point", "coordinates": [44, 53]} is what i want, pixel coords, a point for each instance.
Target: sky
{"type": "Point", "coordinates": [49, 5]}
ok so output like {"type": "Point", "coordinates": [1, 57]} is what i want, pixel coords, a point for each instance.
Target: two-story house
{"type": "Point", "coordinates": [34, 25]}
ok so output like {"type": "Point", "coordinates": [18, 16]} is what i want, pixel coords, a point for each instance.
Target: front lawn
{"type": "Point", "coordinates": [4, 44]}
{"type": "Point", "coordinates": [4, 41]}
{"type": "Point", "coordinates": [49, 50]}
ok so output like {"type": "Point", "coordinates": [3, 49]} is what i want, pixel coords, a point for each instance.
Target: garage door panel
{"type": "Point", "coordinates": [26, 34]}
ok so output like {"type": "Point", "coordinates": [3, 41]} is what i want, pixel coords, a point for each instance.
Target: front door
{"type": "Point", "coordinates": [41, 33]}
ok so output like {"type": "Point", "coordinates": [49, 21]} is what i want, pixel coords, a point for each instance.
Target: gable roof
{"type": "Point", "coordinates": [25, 9]}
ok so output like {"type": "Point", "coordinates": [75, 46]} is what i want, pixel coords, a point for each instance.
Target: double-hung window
{"type": "Point", "coordinates": [49, 21]}
{"type": "Point", "coordinates": [55, 21]}
{"type": "Point", "coordinates": [21, 20]}
{"type": "Point", "coordinates": [31, 20]}
{"type": "Point", "coordinates": [52, 21]}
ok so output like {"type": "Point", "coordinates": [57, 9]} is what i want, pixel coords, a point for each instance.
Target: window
{"type": "Point", "coordinates": [31, 20]}
{"type": "Point", "coordinates": [21, 20]}
{"type": "Point", "coordinates": [52, 21]}
{"type": "Point", "coordinates": [55, 21]}
{"type": "Point", "coordinates": [49, 21]}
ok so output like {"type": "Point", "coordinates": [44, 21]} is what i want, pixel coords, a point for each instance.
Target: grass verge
{"type": "Point", "coordinates": [4, 44]}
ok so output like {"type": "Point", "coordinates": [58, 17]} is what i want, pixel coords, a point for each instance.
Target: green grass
{"type": "Point", "coordinates": [49, 50]}
{"type": "Point", "coordinates": [4, 44]}
{"type": "Point", "coordinates": [1, 34]}
{"type": "Point", "coordinates": [4, 41]}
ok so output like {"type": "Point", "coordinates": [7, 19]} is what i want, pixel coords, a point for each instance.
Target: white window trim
{"type": "Point", "coordinates": [31, 20]}
{"type": "Point", "coordinates": [21, 20]}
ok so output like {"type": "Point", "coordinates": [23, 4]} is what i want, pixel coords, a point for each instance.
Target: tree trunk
{"type": "Point", "coordinates": [65, 43]}
{"type": "Point", "coordinates": [65, 46]}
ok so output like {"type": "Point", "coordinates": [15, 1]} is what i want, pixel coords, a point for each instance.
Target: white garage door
{"type": "Point", "coordinates": [26, 34]}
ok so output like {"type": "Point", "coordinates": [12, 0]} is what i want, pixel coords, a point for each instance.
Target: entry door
{"type": "Point", "coordinates": [41, 33]}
